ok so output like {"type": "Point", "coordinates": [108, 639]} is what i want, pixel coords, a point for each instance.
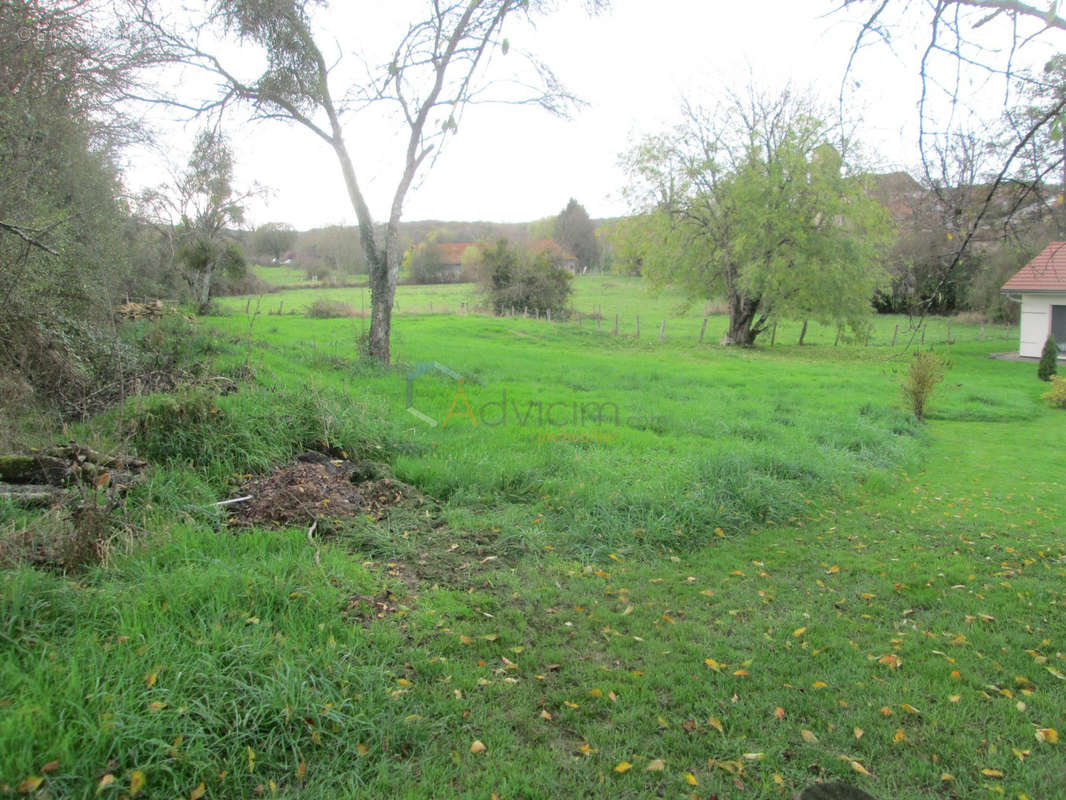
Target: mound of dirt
{"type": "Point", "coordinates": [317, 487]}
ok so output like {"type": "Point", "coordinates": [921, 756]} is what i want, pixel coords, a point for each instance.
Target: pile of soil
{"type": "Point", "coordinates": [318, 487]}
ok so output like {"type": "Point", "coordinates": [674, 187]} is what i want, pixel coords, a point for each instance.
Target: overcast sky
{"type": "Point", "coordinates": [632, 64]}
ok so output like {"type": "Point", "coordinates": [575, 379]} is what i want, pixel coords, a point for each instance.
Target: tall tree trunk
{"type": "Point", "coordinates": [742, 330]}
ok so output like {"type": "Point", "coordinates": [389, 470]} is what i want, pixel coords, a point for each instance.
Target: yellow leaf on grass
{"type": "Point", "coordinates": [740, 673]}
{"type": "Point", "coordinates": [909, 708]}
{"type": "Point", "coordinates": [754, 756]}
{"type": "Point", "coordinates": [886, 711]}
{"type": "Point", "coordinates": [710, 662]}
{"type": "Point", "coordinates": [301, 770]}
{"type": "Point", "coordinates": [899, 735]}
{"type": "Point", "coordinates": [859, 768]}
{"type": "Point", "coordinates": [464, 638]}
{"type": "Point", "coordinates": [568, 704]}
{"type": "Point", "coordinates": [954, 698]}
{"type": "Point", "coordinates": [833, 570]}
{"type": "Point", "coordinates": [992, 773]}
{"type": "Point", "coordinates": [105, 781]}
{"type": "Point", "coordinates": [137, 781]}
{"type": "Point", "coordinates": [622, 766]}
{"type": "Point", "coordinates": [858, 733]}
{"type": "Point", "coordinates": [691, 779]}
{"type": "Point", "coordinates": [198, 792]}
{"type": "Point", "coordinates": [947, 777]}
{"type": "Point", "coordinates": [30, 784]}
{"type": "Point", "coordinates": [150, 679]}
{"type": "Point", "coordinates": [716, 723]}
{"type": "Point", "coordinates": [656, 765]}
{"type": "Point", "coordinates": [478, 747]}
{"type": "Point", "coordinates": [892, 661]}
{"type": "Point", "coordinates": [779, 712]}
{"type": "Point", "coordinates": [545, 715]}
{"type": "Point", "coordinates": [819, 685]}
{"type": "Point", "coordinates": [809, 737]}
{"type": "Point", "coordinates": [1049, 735]}
{"type": "Point", "coordinates": [799, 632]}
{"type": "Point", "coordinates": [251, 759]}
{"type": "Point", "coordinates": [362, 749]}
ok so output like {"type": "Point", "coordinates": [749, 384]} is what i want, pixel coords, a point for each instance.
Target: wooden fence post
{"type": "Point", "coordinates": [773, 334]}
{"type": "Point", "coordinates": [662, 331]}
{"type": "Point", "coordinates": [923, 334]}
{"type": "Point", "coordinates": [981, 335]}
{"type": "Point", "coordinates": [638, 326]}
{"type": "Point", "coordinates": [895, 333]}
{"type": "Point", "coordinates": [599, 319]}
{"type": "Point", "coordinates": [615, 331]}
{"type": "Point", "coordinates": [703, 329]}
{"type": "Point", "coordinates": [548, 314]}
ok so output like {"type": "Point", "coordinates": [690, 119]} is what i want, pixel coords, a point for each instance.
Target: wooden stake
{"type": "Point", "coordinates": [638, 326]}
{"type": "Point", "coordinates": [615, 331]}
{"type": "Point", "coordinates": [895, 333]}
{"type": "Point", "coordinates": [662, 331]}
{"type": "Point", "coordinates": [703, 329]}
{"type": "Point", "coordinates": [773, 334]}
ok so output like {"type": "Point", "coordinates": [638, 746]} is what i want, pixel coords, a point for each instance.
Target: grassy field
{"type": "Point", "coordinates": [740, 572]}
{"type": "Point", "coordinates": [607, 296]}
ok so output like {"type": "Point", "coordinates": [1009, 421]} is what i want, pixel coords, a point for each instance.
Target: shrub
{"type": "Point", "coordinates": [330, 309]}
{"type": "Point", "coordinates": [1049, 360]}
{"type": "Point", "coordinates": [522, 280]}
{"type": "Point", "coordinates": [1056, 395]}
{"type": "Point", "coordinates": [925, 372]}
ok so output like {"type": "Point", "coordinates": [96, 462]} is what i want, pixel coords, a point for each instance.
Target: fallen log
{"type": "Point", "coordinates": [30, 495]}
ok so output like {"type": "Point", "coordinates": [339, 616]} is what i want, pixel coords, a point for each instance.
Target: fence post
{"type": "Point", "coordinates": [703, 329]}
{"type": "Point", "coordinates": [638, 326]}
{"type": "Point", "coordinates": [773, 334]}
{"type": "Point", "coordinates": [615, 331]}
{"type": "Point", "coordinates": [662, 331]}
{"type": "Point", "coordinates": [895, 333]}
{"type": "Point", "coordinates": [598, 320]}
{"type": "Point", "coordinates": [981, 335]}
{"type": "Point", "coordinates": [949, 333]}
{"type": "Point", "coordinates": [923, 334]}
{"type": "Point", "coordinates": [548, 314]}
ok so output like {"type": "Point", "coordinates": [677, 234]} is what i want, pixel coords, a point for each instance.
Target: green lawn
{"type": "Point", "coordinates": [759, 573]}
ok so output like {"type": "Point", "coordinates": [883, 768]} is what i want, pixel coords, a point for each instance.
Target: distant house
{"type": "Point", "coordinates": [564, 258]}
{"type": "Point", "coordinates": [451, 258]}
{"type": "Point", "coordinates": [1040, 286]}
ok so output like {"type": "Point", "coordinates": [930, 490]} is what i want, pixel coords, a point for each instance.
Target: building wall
{"type": "Point", "coordinates": [1036, 321]}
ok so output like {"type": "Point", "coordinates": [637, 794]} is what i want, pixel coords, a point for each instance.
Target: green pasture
{"type": "Point", "coordinates": [739, 572]}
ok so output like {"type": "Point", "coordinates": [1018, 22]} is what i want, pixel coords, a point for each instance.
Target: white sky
{"type": "Point", "coordinates": [632, 64]}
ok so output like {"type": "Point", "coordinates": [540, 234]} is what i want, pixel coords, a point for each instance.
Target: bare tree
{"type": "Point", "coordinates": [982, 41]}
{"type": "Point", "coordinates": [439, 65]}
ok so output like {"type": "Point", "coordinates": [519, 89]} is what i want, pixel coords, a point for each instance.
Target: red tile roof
{"type": "Point", "coordinates": [1045, 273]}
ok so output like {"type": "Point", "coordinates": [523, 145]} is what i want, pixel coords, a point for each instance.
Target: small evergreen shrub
{"type": "Point", "coordinates": [1056, 395]}
{"type": "Point", "coordinates": [1049, 360]}
{"type": "Point", "coordinates": [926, 370]}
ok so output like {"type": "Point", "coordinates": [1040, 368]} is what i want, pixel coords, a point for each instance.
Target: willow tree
{"type": "Point", "coordinates": [444, 59]}
{"type": "Point", "coordinates": [753, 204]}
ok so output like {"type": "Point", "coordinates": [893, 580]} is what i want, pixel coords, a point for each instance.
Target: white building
{"type": "Point", "coordinates": [1040, 286]}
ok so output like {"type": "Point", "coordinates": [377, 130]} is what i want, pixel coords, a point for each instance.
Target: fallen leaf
{"type": "Point", "coordinates": [478, 747]}
{"type": "Point", "coordinates": [819, 685]}
{"type": "Point", "coordinates": [105, 781]}
{"type": "Point", "coordinates": [992, 773]}
{"type": "Point", "coordinates": [779, 712]}
{"type": "Point", "coordinates": [910, 709]}
{"type": "Point", "coordinates": [858, 733]}
{"type": "Point", "coordinates": [31, 784]}
{"type": "Point", "coordinates": [301, 771]}
{"type": "Point", "coordinates": [859, 768]}
{"type": "Point", "coordinates": [137, 781]}
{"type": "Point", "coordinates": [716, 723]}
{"type": "Point", "coordinates": [710, 662]}
{"type": "Point", "coordinates": [545, 715]}
{"type": "Point", "coordinates": [899, 735]}
{"type": "Point", "coordinates": [51, 766]}
{"type": "Point", "coordinates": [809, 737]}
{"type": "Point", "coordinates": [947, 777]}
{"type": "Point", "coordinates": [198, 792]}
{"type": "Point", "coordinates": [622, 766]}
{"type": "Point", "coordinates": [150, 679]}
{"type": "Point", "coordinates": [362, 749]}
{"type": "Point", "coordinates": [691, 779]}
{"type": "Point", "coordinates": [799, 632]}
{"type": "Point", "coordinates": [656, 765]}
{"type": "Point", "coordinates": [832, 570]}
{"type": "Point", "coordinates": [886, 711]}
{"type": "Point", "coordinates": [1049, 735]}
